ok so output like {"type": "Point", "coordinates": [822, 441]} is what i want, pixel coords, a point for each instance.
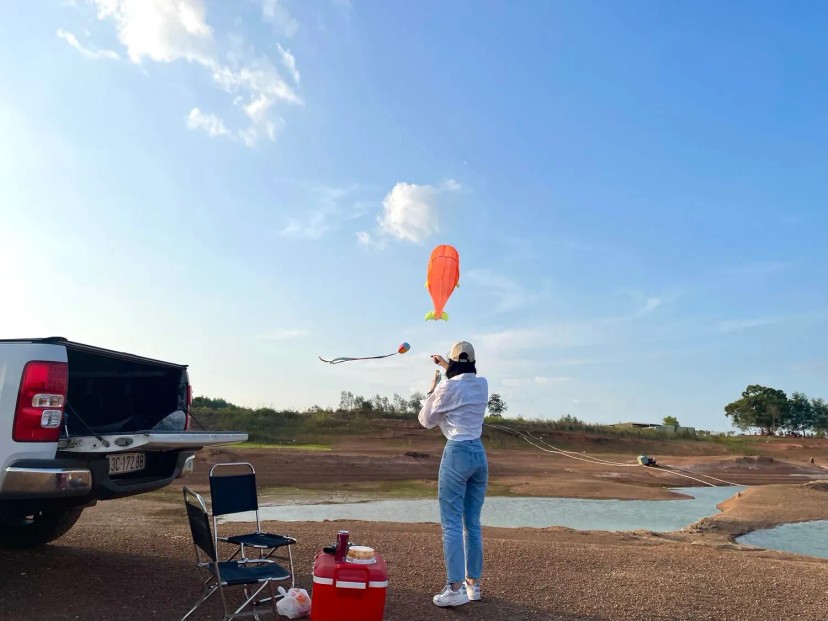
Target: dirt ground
{"type": "Point", "coordinates": [133, 559]}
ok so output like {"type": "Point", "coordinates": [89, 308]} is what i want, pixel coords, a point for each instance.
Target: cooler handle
{"type": "Point", "coordinates": [350, 583]}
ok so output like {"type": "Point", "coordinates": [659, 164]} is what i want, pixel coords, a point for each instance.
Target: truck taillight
{"type": "Point", "coordinates": [40, 402]}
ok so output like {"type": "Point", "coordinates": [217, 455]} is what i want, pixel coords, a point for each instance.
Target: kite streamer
{"type": "Point", "coordinates": [404, 347]}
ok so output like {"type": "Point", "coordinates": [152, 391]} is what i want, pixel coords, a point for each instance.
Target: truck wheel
{"type": "Point", "coordinates": [38, 529]}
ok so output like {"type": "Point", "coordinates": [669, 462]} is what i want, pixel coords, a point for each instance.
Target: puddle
{"type": "Point", "coordinates": [578, 513]}
{"type": "Point", "coordinates": [807, 538]}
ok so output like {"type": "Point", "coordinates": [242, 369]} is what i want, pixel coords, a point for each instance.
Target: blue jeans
{"type": "Point", "coordinates": [464, 475]}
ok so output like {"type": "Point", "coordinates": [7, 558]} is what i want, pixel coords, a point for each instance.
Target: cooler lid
{"type": "Point", "coordinates": [350, 575]}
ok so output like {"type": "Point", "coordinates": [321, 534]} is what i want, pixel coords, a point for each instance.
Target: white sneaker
{"type": "Point", "coordinates": [447, 597]}
{"type": "Point", "coordinates": [473, 591]}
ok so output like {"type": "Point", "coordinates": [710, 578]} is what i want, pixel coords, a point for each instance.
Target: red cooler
{"type": "Point", "coordinates": [348, 591]}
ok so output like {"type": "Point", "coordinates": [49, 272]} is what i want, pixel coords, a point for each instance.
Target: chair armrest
{"type": "Point", "coordinates": [254, 561]}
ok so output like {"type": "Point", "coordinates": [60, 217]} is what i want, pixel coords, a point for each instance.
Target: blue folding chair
{"type": "Point", "coordinates": [253, 575]}
{"type": "Point", "coordinates": [236, 493]}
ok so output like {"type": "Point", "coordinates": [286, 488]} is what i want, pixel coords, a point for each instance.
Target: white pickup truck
{"type": "Point", "coordinates": [79, 424]}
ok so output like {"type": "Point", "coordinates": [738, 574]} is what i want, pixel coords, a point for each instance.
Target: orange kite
{"type": "Point", "coordinates": [442, 278]}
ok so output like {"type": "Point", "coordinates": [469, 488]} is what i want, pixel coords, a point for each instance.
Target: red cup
{"type": "Point", "coordinates": [341, 546]}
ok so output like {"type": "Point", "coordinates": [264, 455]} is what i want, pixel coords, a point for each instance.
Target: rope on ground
{"type": "Point", "coordinates": [668, 466]}
{"type": "Point", "coordinates": [558, 451]}
{"type": "Point", "coordinates": [597, 460]}
{"type": "Point", "coordinates": [665, 466]}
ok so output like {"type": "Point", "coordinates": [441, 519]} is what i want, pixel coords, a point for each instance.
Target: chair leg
{"type": "Point", "coordinates": [210, 591]}
{"type": "Point", "coordinates": [292, 574]}
{"type": "Point", "coordinates": [247, 602]}
{"type": "Point", "coordinates": [273, 598]}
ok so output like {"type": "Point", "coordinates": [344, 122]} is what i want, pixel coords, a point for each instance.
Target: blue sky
{"type": "Point", "coordinates": [638, 193]}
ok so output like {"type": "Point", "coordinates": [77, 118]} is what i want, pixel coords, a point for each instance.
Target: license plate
{"type": "Point", "coordinates": [127, 462]}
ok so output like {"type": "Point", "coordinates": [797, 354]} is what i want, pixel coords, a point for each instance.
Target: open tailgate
{"type": "Point", "coordinates": [149, 441]}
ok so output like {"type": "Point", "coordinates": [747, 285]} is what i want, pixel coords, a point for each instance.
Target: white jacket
{"type": "Point", "coordinates": [458, 406]}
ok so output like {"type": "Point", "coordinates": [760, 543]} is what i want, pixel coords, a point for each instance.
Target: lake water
{"type": "Point", "coordinates": [581, 514]}
{"type": "Point", "coordinates": [809, 538]}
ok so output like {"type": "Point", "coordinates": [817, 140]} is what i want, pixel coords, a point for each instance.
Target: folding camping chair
{"type": "Point", "coordinates": [253, 575]}
{"type": "Point", "coordinates": [236, 493]}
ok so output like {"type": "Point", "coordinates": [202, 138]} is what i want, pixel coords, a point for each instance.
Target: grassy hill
{"type": "Point", "coordinates": [318, 426]}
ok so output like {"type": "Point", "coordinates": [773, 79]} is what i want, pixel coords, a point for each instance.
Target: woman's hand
{"type": "Point", "coordinates": [439, 360]}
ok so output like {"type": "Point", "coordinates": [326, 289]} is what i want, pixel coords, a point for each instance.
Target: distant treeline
{"type": "Point", "coordinates": [360, 415]}
{"type": "Point", "coordinates": [772, 412]}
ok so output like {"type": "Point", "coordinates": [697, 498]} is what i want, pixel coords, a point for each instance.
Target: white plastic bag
{"type": "Point", "coordinates": [295, 603]}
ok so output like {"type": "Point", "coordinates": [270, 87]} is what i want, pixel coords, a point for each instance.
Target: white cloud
{"type": "Point", "coordinates": [282, 334]}
{"type": "Point", "coordinates": [258, 76]}
{"type": "Point", "coordinates": [735, 325]}
{"type": "Point", "coordinates": [210, 123]}
{"type": "Point", "coordinates": [172, 30]}
{"type": "Point", "coordinates": [274, 12]}
{"type": "Point", "coordinates": [258, 87]}
{"type": "Point", "coordinates": [408, 212]}
{"type": "Point", "coordinates": [87, 52]}
{"type": "Point", "coordinates": [161, 30]}
{"type": "Point", "coordinates": [289, 61]}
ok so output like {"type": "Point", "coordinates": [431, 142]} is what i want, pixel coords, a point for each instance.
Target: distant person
{"type": "Point", "coordinates": [458, 406]}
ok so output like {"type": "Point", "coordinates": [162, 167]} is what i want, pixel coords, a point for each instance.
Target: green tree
{"type": "Point", "coordinates": [761, 407]}
{"type": "Point", "coordinates": [800, 415]}
{"type": "Point", "coordinates": [400, 404]}
{"type": "Point", "coordinates": [496, 405]}
{"type": "Point", "coordinates": [671, 420]}
{"type": "Point", "coordinates": [207, 402]}
{"type": "Point", "coordinates": [346, 400]}
{"type": "Point", "coordinates": [415, 402]}
{"type": "Point", "coordinates": [381, 403]}
{"type": "Point", "coordinates": [819, 415]}
{"type": "Point", "coordinates": [361, 403]}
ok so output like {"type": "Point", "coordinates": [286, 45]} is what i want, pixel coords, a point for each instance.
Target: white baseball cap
{"type": "Point", "coordinates": [461, 348]}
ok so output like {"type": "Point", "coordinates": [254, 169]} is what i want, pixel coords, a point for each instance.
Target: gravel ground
{"type": "Point", "coordinates": [132, 559]}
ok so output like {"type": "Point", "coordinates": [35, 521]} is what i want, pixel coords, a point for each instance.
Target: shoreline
{"type": "Point", "coordinates": [749, 509]}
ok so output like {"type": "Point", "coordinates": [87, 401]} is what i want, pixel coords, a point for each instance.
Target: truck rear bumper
{"type": "Point", "coordinates": [46, 482]}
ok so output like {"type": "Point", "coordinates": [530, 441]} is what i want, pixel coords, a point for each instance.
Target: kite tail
{"type": "Point", "coordinates": [432, 316]}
